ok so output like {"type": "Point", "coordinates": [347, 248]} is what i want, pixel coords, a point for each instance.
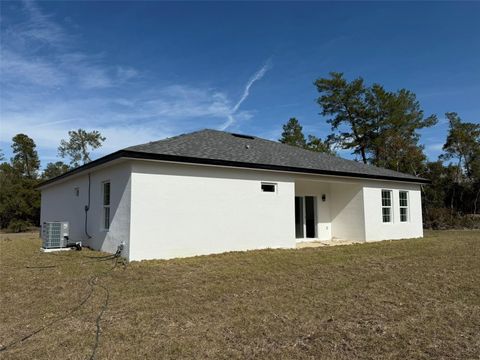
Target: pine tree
{"type": "Point", "coordinates": [293, 133]}
{"type": "Point", "coordinates": [78, 144]}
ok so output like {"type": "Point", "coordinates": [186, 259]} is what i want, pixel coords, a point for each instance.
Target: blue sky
{"type": "Point", "coordinates": [141, 71]}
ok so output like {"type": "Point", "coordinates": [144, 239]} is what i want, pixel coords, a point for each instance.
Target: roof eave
{"type": "Point", "coordinates": [90, 165]}
{"type": "Point", "coordinates": [194, 160]}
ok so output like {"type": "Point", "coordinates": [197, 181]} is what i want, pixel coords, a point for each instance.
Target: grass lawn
{"type": "Point", "coordinates": [408, 299]}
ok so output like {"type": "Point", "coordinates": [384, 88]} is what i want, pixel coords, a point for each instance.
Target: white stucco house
{"type": "Point", "coordinates": [211, 191]}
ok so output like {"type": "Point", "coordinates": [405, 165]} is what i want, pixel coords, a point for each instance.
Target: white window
{"type": "Point", "coordinates": [386, 206]}
{"type": "Point", "coordinates": [269, 187]}
{"type": "Point", "coordinates": [106, 205]}
{"type": "Point", "coordinates": [403, 196]}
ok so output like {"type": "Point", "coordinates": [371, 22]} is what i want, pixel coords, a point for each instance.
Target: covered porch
{"type": "Point", "coordinates": [328, 212]}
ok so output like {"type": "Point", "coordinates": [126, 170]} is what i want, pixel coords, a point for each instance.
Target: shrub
{"type": "Point", "coordinates": [443, 218]}
{"type": "Point", "coordinates": [17, 226]}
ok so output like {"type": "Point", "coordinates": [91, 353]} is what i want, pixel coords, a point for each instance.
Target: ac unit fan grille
{"type": "Point", "coordinates": [55, 235]}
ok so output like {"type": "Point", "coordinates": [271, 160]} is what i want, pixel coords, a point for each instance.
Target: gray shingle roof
{"type": "Point", "coordinates": [231, 149]}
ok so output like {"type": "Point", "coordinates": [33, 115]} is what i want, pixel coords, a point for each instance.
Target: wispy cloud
{"type": "Point", "coordinates": [433, 150]}
{"type": "Point", "coordinates": [435, 147]}
{"type": "Point", "coordinates": [50, 85]}
{"type": "Point", "coordinates": [38, 28]}
{"type": "Point", "coordinates": [150, 115]}
{"type": "Point", "coordinates": [17, 69]}
{"type": "Point", "coordinates": [246, 92]}
{"type": "Point", "coordinates": [36, 50]}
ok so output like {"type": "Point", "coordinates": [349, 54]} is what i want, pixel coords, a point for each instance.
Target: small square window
{"type": "Point", "coordinates": [269, 187]}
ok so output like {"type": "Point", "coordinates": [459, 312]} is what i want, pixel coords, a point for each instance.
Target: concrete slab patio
{"type": "Point", "coordinates": [320, 243]}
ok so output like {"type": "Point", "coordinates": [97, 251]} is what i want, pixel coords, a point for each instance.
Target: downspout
{"type": "Point", "coordinates": [87, 207]}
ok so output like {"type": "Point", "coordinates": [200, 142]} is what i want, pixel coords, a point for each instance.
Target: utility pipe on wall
{"type": "Point", "coordinates": [87, 207]}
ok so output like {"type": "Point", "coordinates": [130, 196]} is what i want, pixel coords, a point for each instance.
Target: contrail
{"type": "Point", "coordinates": [50, 123]}
{"type": "Point", "coordinates": [227, 123]}
{"type": "Point", "coordinates": [257, 76]}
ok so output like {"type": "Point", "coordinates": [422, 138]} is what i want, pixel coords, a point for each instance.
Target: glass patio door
{"type": "Point", "coordinates": [305, 217]}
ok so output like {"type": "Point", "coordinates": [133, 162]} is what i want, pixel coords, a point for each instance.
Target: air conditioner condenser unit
{"type": "Point", "coordinates": [55, 235]}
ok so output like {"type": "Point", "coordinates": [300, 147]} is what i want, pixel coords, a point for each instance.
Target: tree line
{"type": "Point", "coordinates": [19, 198]}
{"type": "Point", "coordinates": [378, 126]}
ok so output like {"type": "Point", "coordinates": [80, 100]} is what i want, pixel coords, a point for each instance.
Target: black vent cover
{"type": "Point", "coordinates": [243, 136]}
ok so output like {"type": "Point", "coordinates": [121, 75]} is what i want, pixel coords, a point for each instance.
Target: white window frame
{"type": "Point", "coordinates": [390, 207]}
{"type": "Point", "coordinates": [406, 207]}
{"type": "Point", "coordinates": [106, 206]}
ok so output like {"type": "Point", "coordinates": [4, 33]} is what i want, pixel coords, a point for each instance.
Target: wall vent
{"type": "Point", "coordinates": [243, 136]}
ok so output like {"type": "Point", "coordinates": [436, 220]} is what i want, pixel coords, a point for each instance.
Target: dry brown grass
{"type": "Point", "coordinates": [391, 300]}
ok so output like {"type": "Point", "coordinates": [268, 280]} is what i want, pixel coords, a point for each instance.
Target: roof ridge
{"type": "Point", "coordinates": [168, 138]}
{"type": "Point", "coordinates": [204, 149]}
{"type": "Point", "coordinates": [276, 142]}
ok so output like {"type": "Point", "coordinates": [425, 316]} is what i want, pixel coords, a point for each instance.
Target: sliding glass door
{"type": "Point", "coordinates": [305, 217]}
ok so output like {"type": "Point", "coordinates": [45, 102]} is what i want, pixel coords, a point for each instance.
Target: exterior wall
{"type": "Point", "coordinates": [182, 210]}
{"type": "Point", "coordinates": [347, 211]}
{"type": "Point", "coordinates": [59, 203]}
{"type": "Point", "coordinates": [167, 210]}
{"type": "Point", "coordinates": [317, 189]}
{"type": "Point", "coordinates": [375, 229]}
